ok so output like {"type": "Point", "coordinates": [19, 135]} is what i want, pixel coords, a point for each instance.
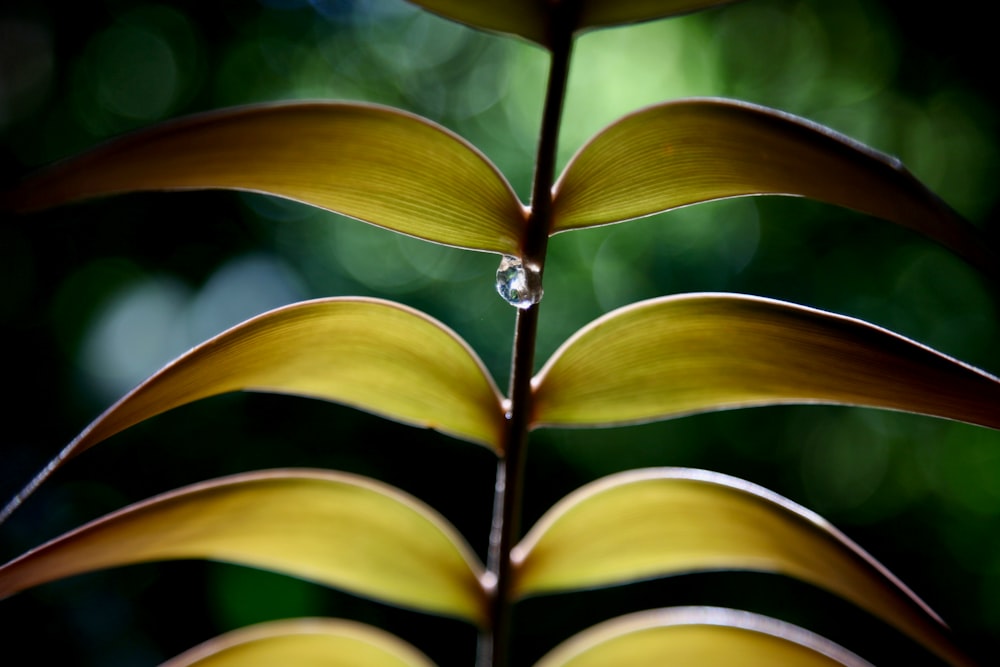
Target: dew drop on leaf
{"type": "Point", "coordinates": [518, 285]}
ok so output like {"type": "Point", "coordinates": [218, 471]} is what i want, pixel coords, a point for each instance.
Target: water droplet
{"type": "Point", "coordinates": [517, 284]}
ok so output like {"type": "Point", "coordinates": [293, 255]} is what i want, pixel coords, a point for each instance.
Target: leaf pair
{"type": "Point", "coordinates": [704, 635]}
{"type": "Point", "coordinates": [658, 359]}
{"type": "Point", "coordinates": [373, 540]}
{"type": "Point", "coordinates": [404, 173]}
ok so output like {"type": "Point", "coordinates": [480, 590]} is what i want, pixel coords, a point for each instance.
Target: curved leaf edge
{"type": "Point", "coordinates": [540, 377]}
{"type": "Point", "coordinates": [428, 514]}
{"type": "Point", "coordinates": [924, 626]}
{"type": "Point", "coordinates": [601, 14]}
{"type": "Point", "coordinates": [28, 195]}
{"type": "Point", "coordinates": [538, 22]}
{"type": "Point", "coordinates": [522, 550]}
{"type": "Point", "coordinates": [964, 239]}
{"type": "Point", "coordinates": [622, 627]}
{"type": "Point", "coordinates": [334, 628]}
{"type": "Point", "coordinates": [84, 441]}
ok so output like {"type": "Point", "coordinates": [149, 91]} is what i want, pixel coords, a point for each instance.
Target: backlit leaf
{"type": "Point", "coordinates": [303, 642]}
{"type": "Point", "coordinates": [666, 521]}
{"type": "Point", "coordinates": [698, 636]}
{"type": "Point", "coordinates": [370, 354]}
{"type": "Point", "coordinates": [332, 528]}
{"type": "Point", "coordinates": [601, 13]}
{"type": "Point", "coordinates": [525, 18]}
{"type": "Point", "coordinates": [692, 353]}
{"type": "Point", "coordinates": [534, 19]}
{"type": "Point", "coordinates": [376, 164]}
{"type": "Point", "coordinates": [692, 151]}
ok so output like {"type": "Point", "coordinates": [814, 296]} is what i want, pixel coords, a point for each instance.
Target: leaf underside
{"type": "Point", "coordinates": [698, 636]}
{"type": "Point", "coordinates": [333, 528]}
{"type": "Point", "coordinates": [381, 165]}
{"type": "Point", "coordinates": [534, 19]}
{"type": "Point", "coordinates": [684, 354]}
{"type": "Point", "coordinates": [658, 359]}
{"type": "Point", "coordinates": [690, 151]}
{"type": "Point", "coordinates": [370, 354]}
{"type": "Point", "coordinates": [606, 13]}
{"type": "Point", "coordinates": [666, 521]}
{"type": "Point", "coordinates": [524, 18]}
{"type": "Point", "coordinates": [303, 642]}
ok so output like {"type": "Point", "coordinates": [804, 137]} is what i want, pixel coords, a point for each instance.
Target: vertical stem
{"type": "Point", "coordinates": [495, 643]}
{"type": "Point", "coordinates": [494, 648]}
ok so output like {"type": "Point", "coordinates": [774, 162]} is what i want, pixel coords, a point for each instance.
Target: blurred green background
{"type": "Point", "coordinates": [97, 296]}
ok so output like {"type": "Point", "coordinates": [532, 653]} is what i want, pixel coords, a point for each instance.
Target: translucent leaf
{"type": "Point", "coordinates": [698, 636]}
{"type": "Point", "coordinates": [691, 151]}
{"type": "Point", "coordinates": [370, 354]}
{"type": "Point", "coordinates": [692, 353]}
{"type": "Point", "coordinates": [376, 164]}
{"type": "Point", "coordinates": [666, 521]}
{"type": "Point", "coordinates": [332, 528]}
{"type": "Point", "coordinates": [303, 642]}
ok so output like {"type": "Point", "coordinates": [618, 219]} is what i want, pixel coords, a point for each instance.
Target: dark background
{"type": "Point", "coordinates": [94, 297]}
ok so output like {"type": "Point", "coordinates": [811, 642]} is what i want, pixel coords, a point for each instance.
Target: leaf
{"type": "Point", "coordinates": [525, 18]}
{"type": "Point", "coordinates": [537, 20]}
{"type": "Point", "coordinates": [666, 521]}
{"type": "Point", "coordinates": [376, 164]}
{"type": "Point", "coordinates": [698, 636]}
{"type": "Point", "coordinates": [303, 642]}
{"type": "Point", "coordinates": [332, 528]}
{"type": "Point", "coordinates": [692, 353]}
{"type": "Point", "coordinates": [602, 13]}
{"type": "Point", "coordinates": [698, 150]}
{"type": "Point", "coordinates": [367, 353]}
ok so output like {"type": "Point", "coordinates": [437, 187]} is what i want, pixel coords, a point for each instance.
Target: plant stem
{"type": "Point", "coordinates": [494, 649]}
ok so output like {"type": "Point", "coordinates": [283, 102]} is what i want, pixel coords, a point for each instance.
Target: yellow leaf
{"type": "Point", "coordinates": [535, 20]}
{"type": "Point", "coordinates": [603, 13]}
{"type": "Point", "coordinates": [332, 528]}
{"type": "Point", "coordinates": [691, 151]}
{"type": "Point", "coordinates": [367, 353]}
{"type": "Point", "coordinates": [303, 642]}
{"type": "Point", "coordinates": [376, 164]}
{"type": "Point", "coordinates": [666, 521]}
{"type": "Point", "coordinates": [698, 636]}
{"type": "Point", "coordinates": [525, 18]}
{"type": "Point", "coordinates": [684, 354]}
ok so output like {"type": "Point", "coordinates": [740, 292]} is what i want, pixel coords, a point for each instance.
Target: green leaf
{"type": "Point", "coordinates": [698, 636]}
{"type": "Point", "coordinates": [692, 353]}
{"type": "Point", "coordinates": [303, 642]}
{"type": "Point", "coordinates": [332, 528]}
{"type": "Point", "coordinates": [666, 521]}
{"type": "Point", "coordinates": [376, 164]}
{"type": "Point", "coordinates": [692, 151]}
{"type": "Point", "coordinates": [370, 354]}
